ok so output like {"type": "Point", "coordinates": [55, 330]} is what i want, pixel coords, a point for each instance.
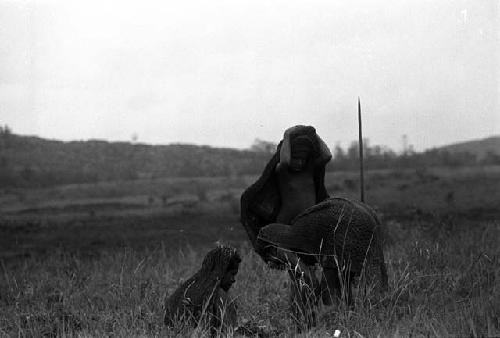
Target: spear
{"type": "Point", "coordinates": [360, 142]}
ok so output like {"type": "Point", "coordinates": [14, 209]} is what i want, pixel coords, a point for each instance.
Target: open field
{"type": "Point", "coordinates": [98, 259]}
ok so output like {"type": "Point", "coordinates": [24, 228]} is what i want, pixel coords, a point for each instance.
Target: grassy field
{"type": "Point", "coordinates": [99, 259]}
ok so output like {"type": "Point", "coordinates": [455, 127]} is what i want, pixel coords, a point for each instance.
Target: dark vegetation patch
{"type": "Point", "coordinates": [79, 208]}
{"type": "Point", "coordinates": [94, 234]}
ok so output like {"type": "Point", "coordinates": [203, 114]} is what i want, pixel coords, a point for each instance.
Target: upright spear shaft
{"type": "Point", "coordinates": [360, 142]}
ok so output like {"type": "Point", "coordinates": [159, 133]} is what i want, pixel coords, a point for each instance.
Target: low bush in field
{"type": "Point", "coordinates": [444, 281]}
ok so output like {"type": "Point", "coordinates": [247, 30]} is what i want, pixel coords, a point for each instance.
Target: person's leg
{"type": "Point", "coordinates": [330, 286]}
{"type": "Point", "coordinates": [336, 286]}
{"type": "Point", "coordinates": [303, 289]}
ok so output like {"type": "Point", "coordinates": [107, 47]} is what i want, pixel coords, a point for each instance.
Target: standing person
{"type": "Point", "coordinates": [292, 181]}
{"type": "Point", "coordinates": [293, 223]}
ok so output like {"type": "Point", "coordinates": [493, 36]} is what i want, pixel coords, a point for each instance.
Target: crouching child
{"type": "Point", "coordinates": [203, 300]}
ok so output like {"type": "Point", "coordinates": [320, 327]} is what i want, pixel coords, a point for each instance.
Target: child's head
{"type": "Point", "coordinates": [221, 264]}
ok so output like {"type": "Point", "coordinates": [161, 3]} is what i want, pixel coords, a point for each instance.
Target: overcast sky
{"type": "Point", "coordinates": [226, 72]}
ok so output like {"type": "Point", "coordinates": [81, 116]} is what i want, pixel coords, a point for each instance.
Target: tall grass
{"type": "Point", "coordinates": [443, 281]}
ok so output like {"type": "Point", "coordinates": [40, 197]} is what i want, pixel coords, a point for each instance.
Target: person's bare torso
{"type": "Point", "coordinates": [297, 191]}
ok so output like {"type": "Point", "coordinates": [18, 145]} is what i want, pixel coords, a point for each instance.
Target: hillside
{"type": "Point", "coordinates": [31, 161]}
{"type": "Point", "coordinates": [480, 148]}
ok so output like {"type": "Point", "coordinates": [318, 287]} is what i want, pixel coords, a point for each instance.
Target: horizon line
{"type": "Point", "coordinates": [131, 142]}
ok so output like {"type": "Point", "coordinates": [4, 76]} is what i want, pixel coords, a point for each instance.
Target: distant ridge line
{"type": "Point", "coordinates": [478, 147]}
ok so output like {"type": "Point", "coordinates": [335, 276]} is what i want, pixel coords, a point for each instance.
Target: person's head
{"type": "Point", "coordinates": [229, 276]}
{"type": "Point", "coordinates": [302, 149]}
